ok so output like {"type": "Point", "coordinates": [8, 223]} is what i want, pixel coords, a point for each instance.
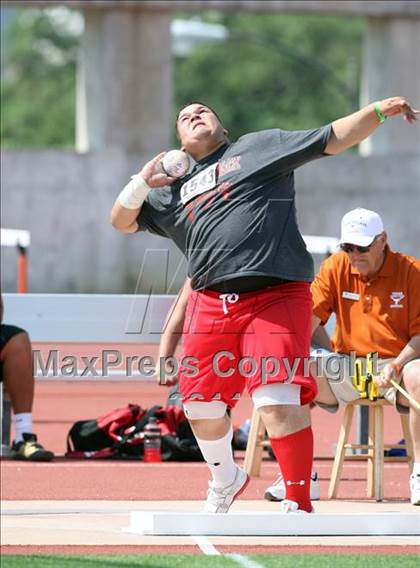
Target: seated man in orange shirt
{"type": "Point", "coordinates": [375, 295]}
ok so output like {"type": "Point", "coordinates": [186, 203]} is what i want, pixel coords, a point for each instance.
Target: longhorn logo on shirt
{"type": "Point", "coordinates": [396, 297]}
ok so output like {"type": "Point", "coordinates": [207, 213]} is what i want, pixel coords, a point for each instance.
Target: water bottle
{"type": "Point", "coordinates": [152, 441]}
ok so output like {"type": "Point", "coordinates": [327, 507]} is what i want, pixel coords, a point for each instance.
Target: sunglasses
{"type": "Point", "coordinates": [347, 247]}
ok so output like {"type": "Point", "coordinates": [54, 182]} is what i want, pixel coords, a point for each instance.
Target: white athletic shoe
{"type": "Point", "coordinates": [219, 499]}
{"type": "Point", "coordinates": [277, 491]}
{"type": "Point", "coordinates": [292, 507]}
{"type": "Point", "coordinates": [415, 489]}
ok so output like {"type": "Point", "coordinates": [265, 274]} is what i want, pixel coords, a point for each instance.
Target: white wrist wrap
{"type": "Point", "coordinates": [134, 193]}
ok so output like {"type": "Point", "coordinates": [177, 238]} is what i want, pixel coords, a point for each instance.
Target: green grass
{"type": "Point", "coordinates": [337, 561]}
{"type": "Point", "coordinates": [201, 561]}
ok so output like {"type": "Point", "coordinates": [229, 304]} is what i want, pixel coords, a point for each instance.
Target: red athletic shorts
{"type": "Point", "coordinates": [235, 340]}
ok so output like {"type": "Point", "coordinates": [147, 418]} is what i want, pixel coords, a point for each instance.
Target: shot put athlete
{"type": "Point", "coordinates": [234, 218]}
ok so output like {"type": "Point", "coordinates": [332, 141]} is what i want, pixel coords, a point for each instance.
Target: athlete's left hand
{"type": "Point", "coordinates": [398, 105]}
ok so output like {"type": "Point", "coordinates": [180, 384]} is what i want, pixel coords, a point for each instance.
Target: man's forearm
{"type": "Point", "coordinates": [128, 205]}
{"type": "Point", "coordinates": [174, 323]}
{"type": "Point", "coordinates": [171, 335]}
{"type": "Point", "coordinates": [410, 351]}
{"type": "Point", "coordinates": [320, 338]}
{"type": "Point", "coordinates": [354, 128]}
{"type": "Point", "coordinates": [315, 323]}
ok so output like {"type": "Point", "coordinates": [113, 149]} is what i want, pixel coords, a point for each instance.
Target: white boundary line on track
{"type": "Point", "coordinates": [244, 561]}
{"type": "Point", "coordinates": [205, 546]}
{"type": "Point", "coordinates": [209, 549]}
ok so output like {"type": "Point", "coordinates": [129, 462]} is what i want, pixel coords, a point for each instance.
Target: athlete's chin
{"type": "Point", "coordinates": [203, 135]}
{"type": "Point", "coordinates": [200, 141]}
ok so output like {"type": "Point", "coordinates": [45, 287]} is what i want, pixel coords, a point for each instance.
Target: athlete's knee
{"type": "Point", "coordinates": [205, 410]}
{"type": "Point", "coordinates": [276, 395]}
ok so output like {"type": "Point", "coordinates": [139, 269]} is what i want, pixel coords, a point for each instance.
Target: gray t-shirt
{"type": "Point", "coordinates": [234, 215]}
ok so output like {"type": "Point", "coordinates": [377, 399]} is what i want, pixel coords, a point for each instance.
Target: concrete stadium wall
{"type": "Point", "coordinates": [64, 199]}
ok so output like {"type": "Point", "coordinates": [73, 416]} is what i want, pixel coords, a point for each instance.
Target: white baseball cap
{"type": "Point", "coordinates": [360, 227]}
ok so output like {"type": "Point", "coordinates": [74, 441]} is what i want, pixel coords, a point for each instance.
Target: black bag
{"type": "Point", "coordinates": [120, 435]}
{"type": "Point", "coordinates": [102, 437]}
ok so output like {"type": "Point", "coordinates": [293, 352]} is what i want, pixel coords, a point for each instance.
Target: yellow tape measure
{"type": "Point", "coordinates": [365, 384]}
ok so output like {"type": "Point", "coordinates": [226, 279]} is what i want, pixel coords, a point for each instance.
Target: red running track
{"type": "Point", "coordinates": [58, 404]}
{"type": "Point", "coordinates": [185, 549]}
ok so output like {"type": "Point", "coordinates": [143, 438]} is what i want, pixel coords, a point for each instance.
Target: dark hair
{"type": "Point", "coordinates": [196, 103]}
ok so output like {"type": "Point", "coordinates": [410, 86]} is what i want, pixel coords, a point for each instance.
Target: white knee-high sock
{"type": "Point", "coordinates": [23, 424]}
{"type": "Point", "coordinates": [219, 457]}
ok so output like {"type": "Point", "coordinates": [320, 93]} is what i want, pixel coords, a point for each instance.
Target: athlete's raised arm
{"type": "Point", "coordinates": [354, 128]}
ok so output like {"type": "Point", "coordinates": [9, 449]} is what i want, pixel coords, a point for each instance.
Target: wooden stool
{"type": "Point", "coordinates": [375, 447]}
{"type": "Point", "coordinates": [255, 446]}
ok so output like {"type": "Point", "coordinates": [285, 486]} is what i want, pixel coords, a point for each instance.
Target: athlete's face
{"type": "Point", "coordinates": [199, 130]}
{"type": "Point", "coordinates": [369, 263]}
